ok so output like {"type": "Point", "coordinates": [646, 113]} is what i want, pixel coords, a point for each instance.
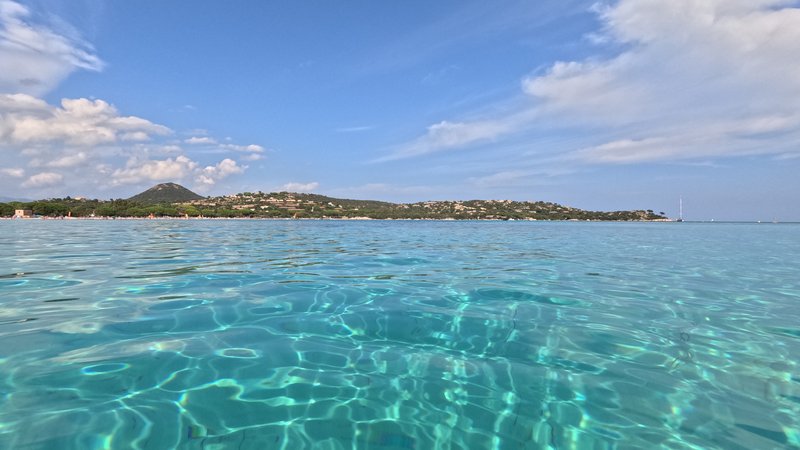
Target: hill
{"type": "Point", "coordinates": [289, 204]}
{"type": "Point", "coordinates": [173, 200]}
{"type": "Point", "coordinates": [166, 193]}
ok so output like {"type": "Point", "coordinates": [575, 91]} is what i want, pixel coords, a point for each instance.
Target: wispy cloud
{"type": "Point", "coordinates": [519, 177]}
{"type": "Point", "coordinates": [34, 58]}
{"type": "Point", "coordinates": [355, 129]}
{"type": "Point", "coordinates": [437, 76]}
{"type": "Point", "coordinates": [727, 84]}
{"type": "Point", "coordinates": [452, 135]}
{"type": "Point", "coordinates": [474, 21]}
{"type": "Point", "coordinates": [65, 161]}
{"type": "Point", "coordinates": [43, 179]}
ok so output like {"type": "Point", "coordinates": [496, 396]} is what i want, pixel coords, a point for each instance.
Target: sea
{"type": "Point", "coordinates": [269, 334]}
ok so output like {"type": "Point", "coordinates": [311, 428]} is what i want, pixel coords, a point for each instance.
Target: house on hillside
{"type": "Point", "coordinates": [23, 214]}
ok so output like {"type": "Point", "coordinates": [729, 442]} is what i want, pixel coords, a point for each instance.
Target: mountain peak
{"type": "Point", "coordinates": [166, 193]}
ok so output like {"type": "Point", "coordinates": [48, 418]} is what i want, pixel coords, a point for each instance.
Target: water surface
{"type": "Point", "coordinates": [398, 335]}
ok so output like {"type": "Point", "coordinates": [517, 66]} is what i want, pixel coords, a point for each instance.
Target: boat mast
{"type": "Point", "coordinates": [680, 209]}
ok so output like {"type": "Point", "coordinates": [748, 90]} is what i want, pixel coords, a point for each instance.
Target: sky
{"type": "Point", "coordinates": [601, 105]}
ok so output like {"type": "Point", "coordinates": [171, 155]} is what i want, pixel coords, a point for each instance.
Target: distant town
{"type": "Point", "coordinates": [170, 200]}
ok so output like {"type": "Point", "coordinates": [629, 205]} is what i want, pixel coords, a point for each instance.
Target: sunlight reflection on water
{"type": "Point", "coordinates": [398, 335]}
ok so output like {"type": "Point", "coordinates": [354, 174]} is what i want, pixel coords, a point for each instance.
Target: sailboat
{"type": "Point", "coordinates": [680, 210]}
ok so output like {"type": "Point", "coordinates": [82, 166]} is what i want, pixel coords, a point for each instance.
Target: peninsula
{"type": "Point", "coordinates": [173, 200]}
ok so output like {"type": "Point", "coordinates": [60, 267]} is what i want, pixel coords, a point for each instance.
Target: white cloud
{"type": "Point", "coordinates": [724, 137]}
{"type": "Point", "coordinates": [437, 76]}
{"type": "Point", "coordinates": [355, 129]}
{"type": "Point", "coordinates": [251, 152]}
{"type": "Point", "coordinates": [137, 171]}
{"type": "Point", "coordinates": [447, 135]}
{"type": "Point", "coordinates": [522, 176]}
{"type": "Point", "coordinates": [90, 137]}
{"type": "Point", "coordinates": [697, 78]}
{"type": "Point", "coordinates": [44, 179]}
{"type": "Point", "coordinates": [69, 160]}
{"type": "Point", "coordinates": [34, 57]}
{"type": "Point", "coordinates": [252, 157]}
{"type": "Point", "coordinates": [81, 137]}
{"type": "Point", "coordinates": [22, 103]}
{"type": "Point", "coordinates": [26, 120]}
{"type": "Point", "coordinates": [594, 88]}
{"type": "Point", "coordinates": [103, 169]}
{"type": "Point", "coordinates": [690, 79]}
{"type": "Point", "coordinates": [211, 174]}
{"type": "Point", "coordinates": [300, 187]}
{"type": "Point", "coordinates": [137, 136]}
{"type": "Point", "coordinates": [13, 172]}
{"type": "Point", "coordinates": [252, 148]}
{"type": "Point", "coordinates": [632, 150]}
{"type": "Point", "coordinates": [197, 140]}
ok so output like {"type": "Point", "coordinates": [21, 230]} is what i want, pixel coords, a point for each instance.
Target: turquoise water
{"type": "Point", "coordinates": [398, 335]}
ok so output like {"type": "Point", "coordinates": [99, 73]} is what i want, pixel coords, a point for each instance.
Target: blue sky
{"type": "Point", "coordinates": [601, 105]}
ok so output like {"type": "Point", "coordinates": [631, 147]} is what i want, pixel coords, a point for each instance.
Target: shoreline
{"type": "Point", "coordinates": [319, 219]}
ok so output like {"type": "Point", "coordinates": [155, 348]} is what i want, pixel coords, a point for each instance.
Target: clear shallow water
{"type": "Point", "coordinates": [398, 335]}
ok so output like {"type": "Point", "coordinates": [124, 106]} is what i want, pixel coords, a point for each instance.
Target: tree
{"type": "Point", "coordinates": [6, 210]}
{"type": "Point", "coordinates": [190, 211]}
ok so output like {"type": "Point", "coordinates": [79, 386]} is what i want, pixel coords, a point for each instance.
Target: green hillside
{"type": "Point", "coordinates": [166, 193]}
{"type": "Point", "coordinates": [173, 200]}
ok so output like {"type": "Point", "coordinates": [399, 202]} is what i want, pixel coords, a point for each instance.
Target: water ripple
{"type": "Point", "coordinates": [398, 335]}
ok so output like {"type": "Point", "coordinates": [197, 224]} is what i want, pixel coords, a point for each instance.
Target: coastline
{"type": "Point", "coordinates": [315, 219]}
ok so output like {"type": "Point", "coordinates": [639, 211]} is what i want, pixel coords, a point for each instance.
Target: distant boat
{"type": "Point", "coordinates": [680, 210]}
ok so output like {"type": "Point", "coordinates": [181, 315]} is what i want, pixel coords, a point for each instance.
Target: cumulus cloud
{"type": "Point", "coordinates": [26, 120]}
{"type": "Point", "coordinates": [84, 135]}
{"type": "Point", "coordinates": [13, 172]}
{"type": "Point", "coordinates": [300, 187]}
{"type": "Point", "coordinates": [211, 174]}
{"type": "Point", "coordinates": [180, 168]}
{"type": "Point", "coordinates": [79, 133]}
{"type": "Point", "coordinates": [43, 179]}
{"type": "Point", "coordinates": [34, 57]}
{"type": "Point", "coordinates": [727, 83]}
{"type": "Point", "coordinates": [199, 140]}
{"type": "Point", "coordinates": [690, 78]}
{"type": "Point", "coordinates": [82, 141]}
{"type": "Point", "coordinates": [137, 171]}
